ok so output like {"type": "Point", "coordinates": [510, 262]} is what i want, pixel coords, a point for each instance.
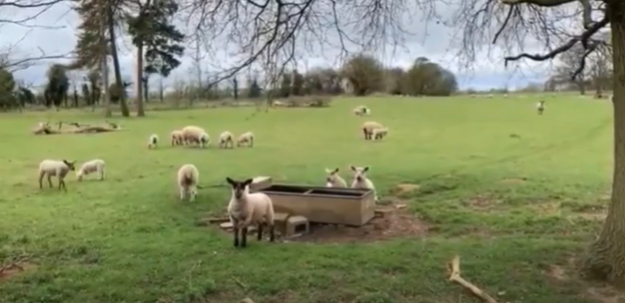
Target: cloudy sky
{"type": "Point", "coordinates": [436, 43]}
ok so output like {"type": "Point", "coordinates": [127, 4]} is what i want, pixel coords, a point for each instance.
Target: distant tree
{"type": "Point", "coordinates": [86, 94]}
{"type": "Point", "coordinates": [7, 85]}
{"type": "Point", "coordinates": [569, 63]}
{"type": "Point", "coordinates": [235, 88]}
{"type": "Point", "coordinates": [95, 88]}
{"type": "Point", "coordinates": [254, 90]}
{"type": "Point", "coordinates": [297, 84]}
{"type": "Point", "coordinates": [117, 92]}
{"type": "Point", "coordinates": [429, 79]}
{"type": "Point", "coordinates": [396, 81]}
{"type": "Point", "coordinates": [364, 73]}
{"type": "Point", "coordinates": [285, 85]}
{"type": "Point", "coordinates": [57, 86]}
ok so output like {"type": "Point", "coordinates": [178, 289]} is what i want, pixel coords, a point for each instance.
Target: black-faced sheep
{"type": "Point", "coordinates": [89, 167]}
{"type": "Point", "coordinates": [333, 179]}
{"type": "Point", "coordinates": [205, 139]}
{"type": "Point", "coordinates": [245, 209]}
{"type": "Point", "coordinates": [361, 180]}
{"type": "Point", "coordinates": [540, 107]}
{"type": "Point", "coordinates": [246, 139]}
{"type": "Point", "coordinates": [187, 179]}
{"type": "Point", "coordinates": [153, 141]}
{"type": "Point", "coordinates": [362, 111]}
{"type": "Point", "coordinates": [368, 127]}
{"type": "Point", "coordinates": [55, 168]}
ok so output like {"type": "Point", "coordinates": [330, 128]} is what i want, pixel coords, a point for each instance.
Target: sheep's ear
{"type": "Point", "coordinates": [328, 171]}
{"type": "Point", "coordinates": [353, 168]}
{"type": "Point", "coordinates": [366, 169]}
{"type": "Point", "coordinates": [230, 181]}
{"type": "Point", "coordinates": [248, 181]}
{"type": "Point", "coordinates": [336, 170]}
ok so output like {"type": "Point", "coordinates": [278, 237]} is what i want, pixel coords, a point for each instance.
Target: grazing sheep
{"type": "Point", "coordinates": [246, 209]}
{"type": "Point", "coordinates": [362, 111]}
{"type": "Point", "coordinates": [226, 139]}
{"type": "Point", "coordinates": [188, 179]}
{"type": "Point", "coordinates": [55, 168]}
{"type": "Point", "coordinates": [368, 127]}
{"type": "Point", "coordinates": [540, 107]}
{"type": "Point", "coordinates": [153, 141]}
{"type": "Point", "coordinates": [96, 165]}
{"type": "Point", "coordinates": [333, 179]}
{"type": "Point", "coordinates": [177, 138]}
{"type": "Point", "coordinates": [205, 140]}
{"type": "Point", "coordinates": [379, 133]}
{"type": "Point", "coordinates": [191, 134]}
{"type": "Point", "coordinates": [361, 180]}
{"type": "Point", "coordinates": [246, 139]}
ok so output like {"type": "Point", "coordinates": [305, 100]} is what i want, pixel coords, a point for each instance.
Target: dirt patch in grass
{"type": "Point", "coordinates": [513, 181]}
{"type": "Point", "coordinates": [10, 270]}
{"type": "Point", "coordinates": [391, 221]}
{"type": "Point", "coordinates": [482, 202]}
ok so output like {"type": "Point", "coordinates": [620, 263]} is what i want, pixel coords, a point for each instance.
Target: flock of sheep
{"type": "Point", "coordinates": [194, 135]}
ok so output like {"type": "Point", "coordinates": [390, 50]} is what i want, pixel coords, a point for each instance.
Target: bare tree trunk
{"type": "Point", "coordinates": [139, 81]}
{"type": "Point", "coordinates": [118, 74]}
{"type": "Point", "coordinates": [605, 259]}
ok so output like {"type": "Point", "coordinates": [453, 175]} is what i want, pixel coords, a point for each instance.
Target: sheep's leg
{"type": "Point", "coordinates": [272, 232]}
{"type": "Point", "coordinates": [41, 174]}
{"type": "Point", "coordinates": [244, 237]}
{"type": "Point", "coordinates": [50, 181]}
{"type": "Point", "coordinates": [364, 130]}
{"type": "Point", "coordinates": [102, 173]}
{"type": "Point", "coordinates": [182, 193]}
{"type": "Point", "coordinates": [235, 231]}
{"type": "Point", "coordinates": [260, 231]}
{"type": "Point", "coordinates": [62, 184]}
{"type": "Point", "coordinates": [192, 193]}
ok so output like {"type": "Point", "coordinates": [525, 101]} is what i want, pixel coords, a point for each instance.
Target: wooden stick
{"type": "Point", "coordinates": [453, 269]}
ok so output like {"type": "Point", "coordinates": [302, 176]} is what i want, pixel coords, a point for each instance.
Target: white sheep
{"type": "Point", "coordinates": [246, 209]}
{"type": "Point", "coordinates": [362, 111]}
{"type": "Point", "coordinates": [188, 179]}
{"type": "Point", "coordinates": [191, 134]}
{"type": "Point", "coordinates": [368, 127]}
{"type": "Point", "coordinates": [55, 168]}
{"type": "Point", "coordinates": [361, 180]}
{"type": "Point", "coordinates": [177, 138]}
{"type": "Point", "coordinates": [246, 139]}
{"type": "Point", "coordinates": [93, 166]}
{"type": "Point", "coordinates": [379, 133]}
{"type": "Point", "coordinates": [153, 141]}
{"type": "Point", "coordinates": [205, 140]}
{"type": "Point", "coordinates": [333, 179]}
{"type": "Point", "coordinates": [226, 139]}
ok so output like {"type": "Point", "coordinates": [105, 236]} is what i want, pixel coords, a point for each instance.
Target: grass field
{"type": "Point", "coordinates": [515, 194]}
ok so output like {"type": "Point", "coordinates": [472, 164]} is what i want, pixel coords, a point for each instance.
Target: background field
{"type": "Point", "coordinates": [515, 194]}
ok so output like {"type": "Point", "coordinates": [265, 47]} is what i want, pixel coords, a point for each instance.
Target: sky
{"type": "Point", "coordinates": [434, 41]}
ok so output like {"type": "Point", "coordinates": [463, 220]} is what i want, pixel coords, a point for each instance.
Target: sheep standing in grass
{"type": "Point", "coordinates": [153, 141]}
{"type": "Point", "coordinates": [191, 134]}
{"type": "Point", "coordinates": [368, 127]}
{"type": "Point", "coordinates": [379, 133]}
{"type": "Point", "coordinates": [361, 180]}
{"type": "Point", "coordinates": [362, 111]}
{"type": "Point", "coordinates": [177, 138]}
{"type": "Point", "coordinates": [246, 139]}
{"type": "Point", "coordinates": [55, 168]}
{"type": "Point", "coordinates": [226, 139]}
{"type": "Point", "coordinates": [540, 107]}
{"type": "Point", "coordinates": [205, 140]}
{"type": "Point", "coordinates": [333, 179]}
{"type": "Point", "coordinates": [93, 166]}
{"type": "Point", "coordinates": [188, 179]}
{"type": "Point", "coordinates": [246, 209]}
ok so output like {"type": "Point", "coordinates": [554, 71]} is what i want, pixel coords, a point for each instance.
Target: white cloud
{"type": "Point", "coordinates": [435, 41]}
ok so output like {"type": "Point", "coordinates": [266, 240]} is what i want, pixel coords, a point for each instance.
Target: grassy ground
{"type": "Point", "coordinates": [515, 194]}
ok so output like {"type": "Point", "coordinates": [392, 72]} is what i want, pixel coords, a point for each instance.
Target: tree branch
{"type": "Point", "coordinates": [34, 4]}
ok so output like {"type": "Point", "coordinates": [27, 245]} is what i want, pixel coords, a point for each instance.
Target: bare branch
{"type": "Point", "coordinates": [30, 4]}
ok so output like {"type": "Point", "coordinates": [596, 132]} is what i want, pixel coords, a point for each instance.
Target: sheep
{"type": "Point", "coordinates": [226, 139]}
{"type": "Point", "coordinates": [188, 179]}
{"type": "Point", "coordinates": [153, 141]}
{"type": "Point", "coordinates": [245, 209]}
{"type": "Point", "coordinates": [56, 168]}
{"type": "Point", "coordinates": [96, 165]}
{"type": "Point", "coordinates": [379, 133]}
{"type": "Point", "coordinates": [540, 107]}
{"type": "Point", "coordinates": [361, 180]}
{"type": "Point", "coordinates": [177, 138]}
{"type": "Point", "coordinates": [191, 134]}
{"type": "Point", "coordinates": [368, 127]}
{"type": "Point", "coordinates": [246, 139]}
{"type": "Point", "coordinates": [333, 179]}
{"type": "Point", "coordinates": [362, 111]}
{"type": "Point", "coordinates": [205, 139]}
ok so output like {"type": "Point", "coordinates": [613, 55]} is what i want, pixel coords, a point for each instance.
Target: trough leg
{"type": "Point", "coordinates": [244, 237]}
{"type": "Point", "coordinates": [260, 231]}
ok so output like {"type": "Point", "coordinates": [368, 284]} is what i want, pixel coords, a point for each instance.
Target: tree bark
{"type": "Point", "coordinates": [605, 259]}
{"type": "Point", "coordinates": [139, 80]}
{"type": "Point", "coordinates": [118, 74]}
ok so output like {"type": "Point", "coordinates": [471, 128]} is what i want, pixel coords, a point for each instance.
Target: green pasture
{"type": "Point", "coordinates": [515, 194]}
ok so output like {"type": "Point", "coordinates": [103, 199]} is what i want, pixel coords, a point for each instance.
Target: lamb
{"type": "Point", "coordinates": [55, 168]}
{"type": "Point", "coordinates": [204, 140]}
{"type": "Point", "coordinates": [362, 111]}
{"type": "Point", "coordinates": [540, 107]}
{"type": "Point", "coordinates": [96, 165]}
{"type": "Point", "coordinates": [191, 134]}
{"type": "Point", "coordinates": [333, 179]}
{"type": "Point", "coordinates": [226, 139]}
{"type": "Point", "coordinates": [361, 180]}
{"type": "Point", "coordinates": [246, 139]}
{"type": "Point", "coordinates": [379, 133]}
{"type": "Point", "coordinates": [246, 209]}
{"type": "Point", "coordinates": [177, 138]}
{"type": "Point", "coordinates": [368, 127]}
{"type": "Point", "coordinates": [153, 141]}
{"type": "Point", "coordinates": [188, 179]}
